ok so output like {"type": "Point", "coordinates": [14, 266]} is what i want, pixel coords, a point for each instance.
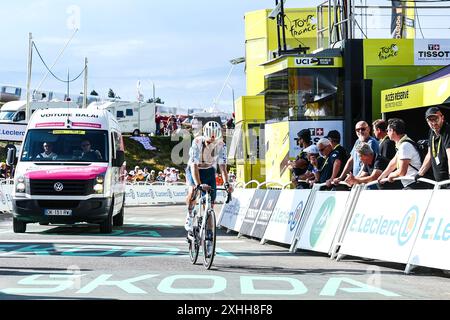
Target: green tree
{"type": "Point", "coordinates": [111, 93]}
{"type": "Point", "coordinates": [94, 93]}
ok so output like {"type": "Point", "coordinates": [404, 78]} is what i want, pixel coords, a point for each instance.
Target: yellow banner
{"type": "Point", "coordinates": [388, 52]}
{"type": "Point", "coordinates": [416, 96]}
{"type": "Point", "coordinates": [78, 132]}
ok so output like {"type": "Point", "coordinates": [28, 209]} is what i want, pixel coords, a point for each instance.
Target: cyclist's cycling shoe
{"type": "Point", "coordinates": [188, 223]}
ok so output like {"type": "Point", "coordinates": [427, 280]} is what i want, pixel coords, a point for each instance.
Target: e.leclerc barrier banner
{"type": "Point", "coordinates": [385, 224]}
{"type": "Point", "coordinates": [266, 212]}
{"type": "Point", "coordinates": [233, 213]}
{"type": "Point", "coordinates": [253, 211]}
{"type": "Point", "coordinates": [432, 247]}
{"type": "Point", "coordinates": [286, 216]}
{"type": "Point", "coordinates": [320, 229]}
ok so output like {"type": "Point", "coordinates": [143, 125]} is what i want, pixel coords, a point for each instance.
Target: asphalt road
{"type": "Point", "coordinates": [147, 259]}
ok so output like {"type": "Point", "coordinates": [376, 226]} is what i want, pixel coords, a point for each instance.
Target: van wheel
{"type": "Point", "coordinates": [106, 226]}
{"type": "Point", "coordinates": [136, 133]}
{"type": "Point", "coordinates": [19, 226]}
{"type": "Point", "coordinates": [119, 218]}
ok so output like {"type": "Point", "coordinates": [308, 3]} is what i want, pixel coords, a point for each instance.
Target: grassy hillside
{"type": "Point", "coordinates": [136, 155]}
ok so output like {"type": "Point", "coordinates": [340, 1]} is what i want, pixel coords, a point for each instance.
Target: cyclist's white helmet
{"type": "Point", "coordinates": [212, 129]}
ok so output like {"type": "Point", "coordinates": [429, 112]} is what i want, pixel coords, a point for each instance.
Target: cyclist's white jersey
{"type": "Point", "coordinates": [207, 156]}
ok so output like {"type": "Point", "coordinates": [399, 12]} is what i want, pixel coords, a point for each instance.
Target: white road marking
{"type": "Point", "coordinates": [109, 241]}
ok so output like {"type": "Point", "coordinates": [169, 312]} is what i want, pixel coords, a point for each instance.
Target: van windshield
{"type": "Point", "coordinates": [65, 145]}
{"type": "Point", "coordinates": [7, 115]}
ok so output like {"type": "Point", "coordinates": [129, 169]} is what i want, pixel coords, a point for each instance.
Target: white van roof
{"type": "Point", "coordinates": [83, 119]}
{"type": "Point", "coordinates": [13, 105]}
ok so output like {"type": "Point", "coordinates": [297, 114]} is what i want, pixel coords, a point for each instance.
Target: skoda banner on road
{"type": "Point", "coordinates": [385, 224]}
{"type": "Point", "coordinates": [323, 221]}
{"type": "Point", "coordinates": [286, 216]}
{"type": "Point", "coordinates": [432, 246]}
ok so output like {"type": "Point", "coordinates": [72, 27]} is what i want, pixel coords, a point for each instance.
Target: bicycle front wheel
{"type": "Point", "coordinates": [209, 240]}
{"type": "Point", "coordinates": [193, 250]}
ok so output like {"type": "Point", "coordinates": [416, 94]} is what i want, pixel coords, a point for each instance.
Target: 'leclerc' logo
{"type": "Point", "coordinates": [408, 225]}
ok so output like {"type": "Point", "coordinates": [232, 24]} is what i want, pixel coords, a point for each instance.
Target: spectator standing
{"type": "Point", "coordinates": [161, 177]}
{"type": "Point", "coordinates": [354, 163]}
{"type": "Point", "coordinates": [219, 179]}
{"type": "Point", "coordinates": [146, 173]}
{"type": "Point", "coordinates": [438, 155]}
{"type": "Point", "coordinates": [139, 177]}
{"type": "Point", "coordinates": [158, 120]}
{"type": "Point", "coordinates": [332, 165]}
{"type": "Point", "coordinates": [151, 177]}
{"type": "Point", "coordinates": [300, 165]}
{"type": "Point", "coordinates": [3, 171]}
{"type": "Point", "coordinates": [386, 145]}
{"type": "Point", "coordinates": [406, 162]}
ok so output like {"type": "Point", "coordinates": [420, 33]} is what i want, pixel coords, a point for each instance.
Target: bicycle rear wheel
{"type": "Point", "coordinates": [209, 244]}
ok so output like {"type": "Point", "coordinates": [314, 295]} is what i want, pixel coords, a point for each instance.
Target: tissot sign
{"type": "Point", "coordinates": [432, 52]}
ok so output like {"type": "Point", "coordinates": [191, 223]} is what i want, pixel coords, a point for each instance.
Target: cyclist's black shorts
{"type": "Point", "coordinates": [207, 176]}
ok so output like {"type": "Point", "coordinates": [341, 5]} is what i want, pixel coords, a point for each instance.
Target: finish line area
{"type": "Point", "coordinates": [147, 259]}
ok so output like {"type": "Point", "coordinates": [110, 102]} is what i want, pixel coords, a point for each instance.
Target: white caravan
{"type": "Point", "coordinates": [133, 117]}
{"type": "Point", "coordinates": [14, 111]}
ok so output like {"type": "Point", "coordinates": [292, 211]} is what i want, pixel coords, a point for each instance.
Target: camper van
{"type": "Point", "coordinates": [9, 93]}
{"type": "Point", "coordinates": [14, 111]}
{"type": "Point", "coordinates": [134, 117]}
{"type": "Point", "coordinates": [70, 169]}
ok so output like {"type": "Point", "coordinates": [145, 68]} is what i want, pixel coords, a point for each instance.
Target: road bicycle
{"type": "Point", "coordinates": [204, 221]}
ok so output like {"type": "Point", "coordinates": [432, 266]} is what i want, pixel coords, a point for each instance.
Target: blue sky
{"type": "Point", "coordinates": [184, 47]}
{"type": "Point", "coordinates": [181, 46]}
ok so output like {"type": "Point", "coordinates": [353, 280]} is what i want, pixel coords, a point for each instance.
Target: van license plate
{"type": "Point", "coordinates": [52, 212]}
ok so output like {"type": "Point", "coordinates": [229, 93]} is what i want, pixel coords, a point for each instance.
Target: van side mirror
{"type": "Point", "coordinates": [119, 159]}
{"type": "Point", "coordinates": [11, 157]}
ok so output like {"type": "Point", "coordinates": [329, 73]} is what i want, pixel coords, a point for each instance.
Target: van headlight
{"type": "Point", "coordinates": [99, 184]}
{"type": "Point", "coordinates": [20, 185]}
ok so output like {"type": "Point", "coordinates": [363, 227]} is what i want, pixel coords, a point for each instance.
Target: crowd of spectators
{"type": "Point", "coordinates": [167, 125]}
{"type": "Point", "coordinates": [169, 175]}
{"type": "Point", "coordinates": [389, 157]}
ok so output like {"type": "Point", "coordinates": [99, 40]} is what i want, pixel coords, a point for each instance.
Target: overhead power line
{"type": "Point", "coordinates": [51, 72]}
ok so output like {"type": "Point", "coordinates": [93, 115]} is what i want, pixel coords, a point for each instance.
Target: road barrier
{"type": "Point", "coordinates": [410, 227]}
{"type": "Point", "coordinates": [147, 194]}
{"type": "Point", "coordinates": [6, 190]}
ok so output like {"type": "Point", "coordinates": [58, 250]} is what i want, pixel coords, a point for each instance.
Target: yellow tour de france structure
{"type": "Point", "coordinates": [323, 89]}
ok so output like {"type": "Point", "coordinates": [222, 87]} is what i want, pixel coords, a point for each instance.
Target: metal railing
{"type": "Point", "coordinates": [334, 24]}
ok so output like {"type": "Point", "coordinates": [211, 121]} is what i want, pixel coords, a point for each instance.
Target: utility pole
{"type": "Point", "coordinates": [85, 83]}
{"type": "Point", "coordinates": [30, 67]}
{"type": "Point", "coordinates": [68, 84]}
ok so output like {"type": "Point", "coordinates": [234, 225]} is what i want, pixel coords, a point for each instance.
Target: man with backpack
{"type": "Point", "coordinates": [439, 146]}
{"type": "Point", "coordinates": [407, 160]}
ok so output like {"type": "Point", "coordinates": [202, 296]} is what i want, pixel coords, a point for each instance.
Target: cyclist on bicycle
{"type": "Point", "coordinates": [206, 153]}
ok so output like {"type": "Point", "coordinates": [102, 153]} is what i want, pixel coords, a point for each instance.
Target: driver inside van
{"type": "Point", "coordinates": [48, 153]}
